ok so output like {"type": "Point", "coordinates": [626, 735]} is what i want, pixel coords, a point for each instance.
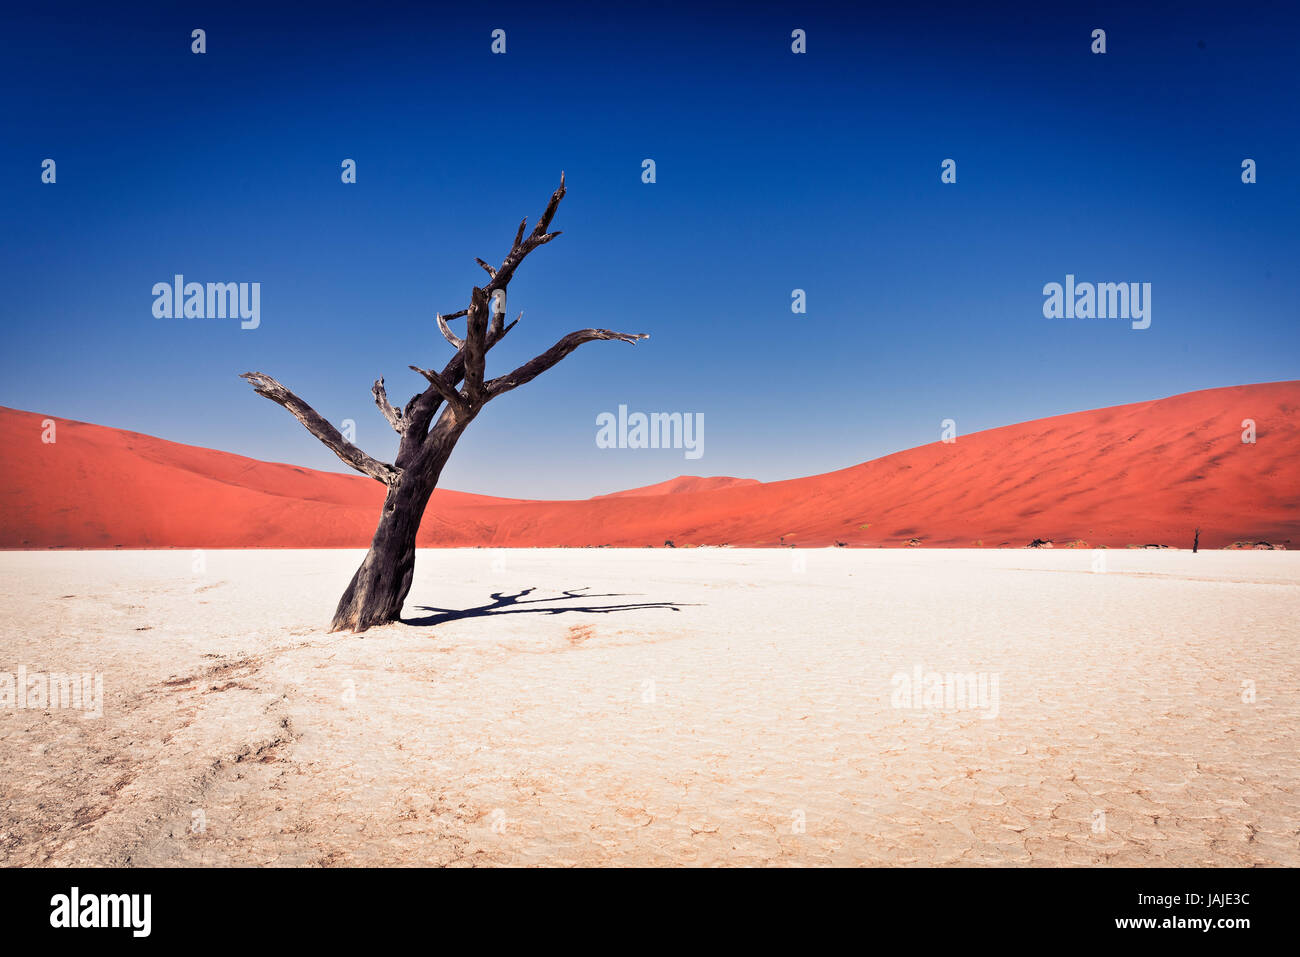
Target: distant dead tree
{"type": "Point", "coordinates": [430, 426]}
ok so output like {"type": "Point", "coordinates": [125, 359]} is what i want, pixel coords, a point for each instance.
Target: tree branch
{"type": "Point", "coordinates": [498, 311]}
{"type": "Point", "coordinates": [393, 416]}
{"type": "Point", "coordinates": [424, 406]}
{"type": "Point", "coordinates": [534, 367]}
{"type": "Point", "coordinates": [318, 426]}
{"type": "Point", "coordinates": [443, 387]}
{"type": "Point", "coordinates": [420, 411]}
{"type": "Point", "coordinates": [476, 344]}
{"type": "Point", "coordinates": [523, 246]}
{"type": "Point", "coordinates": [456, 341]}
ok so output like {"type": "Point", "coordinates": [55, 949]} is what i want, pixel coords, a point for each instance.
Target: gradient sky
{"type": "Point", "coordinates": [775, 171]}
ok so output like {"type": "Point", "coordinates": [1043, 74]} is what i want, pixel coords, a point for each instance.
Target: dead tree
{"type": "Point", "coordinates": [429, 427]}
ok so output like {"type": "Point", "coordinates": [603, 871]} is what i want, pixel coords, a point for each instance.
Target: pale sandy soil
{"type": "Point", "coordinates": [676, 707]}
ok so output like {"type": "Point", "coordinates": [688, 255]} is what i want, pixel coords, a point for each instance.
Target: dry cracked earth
{"type": "Point", "coordinates": [653, 707]}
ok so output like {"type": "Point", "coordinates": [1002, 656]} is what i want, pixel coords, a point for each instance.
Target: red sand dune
{"type": "Point", "coordinates": [683, 483]}
{"type": "Point", "coordinates": [1150, 472]}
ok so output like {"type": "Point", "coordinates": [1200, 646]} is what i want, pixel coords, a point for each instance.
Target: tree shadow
{"type": "Point", "coordinates": [503, 604]}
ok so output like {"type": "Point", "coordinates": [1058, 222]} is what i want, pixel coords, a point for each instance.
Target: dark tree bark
{"type": "Point", "coordinates": [430, 425]}
{"type": "Point", "coordinates": [379, 588]}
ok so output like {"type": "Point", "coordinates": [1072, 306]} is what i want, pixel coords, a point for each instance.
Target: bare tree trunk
{"type": "Point", "coordinates": [379, 588]}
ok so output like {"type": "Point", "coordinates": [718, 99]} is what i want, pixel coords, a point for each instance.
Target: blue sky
{"type": "Point", "coordinates": [775, 171]}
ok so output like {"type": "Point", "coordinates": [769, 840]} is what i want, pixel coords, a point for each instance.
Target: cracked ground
{"type": "Point", "coordinates": [689, 706]}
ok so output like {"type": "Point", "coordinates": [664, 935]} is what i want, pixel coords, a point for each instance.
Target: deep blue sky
{"type": "Point", "coordinates": [775, 171]}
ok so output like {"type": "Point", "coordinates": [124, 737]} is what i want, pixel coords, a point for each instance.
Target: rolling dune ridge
{"type": "Point", "coordinates": [1145, 473]}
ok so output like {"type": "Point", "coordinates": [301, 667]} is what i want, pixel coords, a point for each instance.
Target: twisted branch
{"type": "Point", "coordinates": [443, 387]}
{"type": "Point", "coordinates": [318, 426]}
{"type": "Point", "coordinates": [393, 416]}
{"type": "Point", "coordinates": [456, 341]}
{"type": "Point", "coordinates": [534, 367]}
